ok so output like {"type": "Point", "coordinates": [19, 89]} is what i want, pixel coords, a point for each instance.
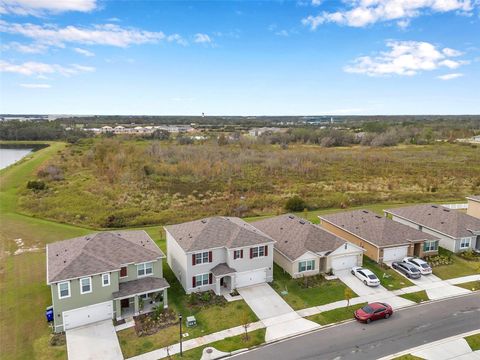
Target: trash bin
{"type": "Point", "coordinates": [49, 313]}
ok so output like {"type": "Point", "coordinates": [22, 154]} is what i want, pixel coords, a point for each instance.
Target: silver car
{"type": "Point", "coordinates": [420, 264]}
{"type": "Point", "coordinates": [408, 270]}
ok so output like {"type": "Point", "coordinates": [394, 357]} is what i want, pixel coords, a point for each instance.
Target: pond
{"type": "Point", "coordinates": [11, 153]}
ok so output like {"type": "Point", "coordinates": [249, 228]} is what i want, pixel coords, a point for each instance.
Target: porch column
{"type": "Point", "coordinates": [217, 286]}
{"type": "Point", "coordinates": [136, 307]}
{"type": "Point", "coordinates": [118, 309]}
{"type": "Point", "coordinates": [165, 299]}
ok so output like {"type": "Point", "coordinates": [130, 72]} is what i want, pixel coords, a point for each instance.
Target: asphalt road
{"type": "Point", "coordinates": [406, 329]}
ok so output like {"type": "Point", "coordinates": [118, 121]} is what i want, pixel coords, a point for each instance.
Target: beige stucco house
{"type": "Point", "coordinates": [474, 206]}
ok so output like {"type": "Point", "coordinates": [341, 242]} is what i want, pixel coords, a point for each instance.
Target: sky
{"type": "Point", "coordinates": [298, 57]}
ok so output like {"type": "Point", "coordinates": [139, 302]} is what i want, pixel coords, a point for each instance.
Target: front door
{"type": "Point", "coordinates": [124, 303]}
{"type": "Point", "coordinates": [416, 249]}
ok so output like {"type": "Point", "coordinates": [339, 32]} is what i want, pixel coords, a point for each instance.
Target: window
{"type": "Point", "coordinates": [123, 272]}
{"type": "Point", "coordinates": [144, 269]}
{"type": "Point", "coordinates": [306, 265]}
{"type": "Point", "coordinates": [106, 279]}
{"type": "Point", "coordinates": [258, 251]}
{"type": "Point", "coordinates": [201, 258]}
{"type": "Point", "coordinates": [431, 245]}
{"type": "Point", "coordinates": [64, 290]}
{"type": "Point", "coordinates": [85, 285]}
{"type": "Point", "coordinates": [465, 243]}
{"type": "Point", "coordinates": [237, 254]}
{"type": "Point", "coordinates": [201, 280]}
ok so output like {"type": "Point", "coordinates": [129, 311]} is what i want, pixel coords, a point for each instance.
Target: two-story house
{"type": "Point", "coordinates": [108, 275]}
{"type": "Point", "coordinates": [219, 254]}
{"type": "Point", "coordinates": [456, 230]}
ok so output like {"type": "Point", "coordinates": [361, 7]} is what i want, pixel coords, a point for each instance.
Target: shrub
{"type": "Point", "coordinates": [36, 185]}
{"type": "Point", "coordinates": [206, 296]}
{"type": "Point", "coordinates": [295, 203]}
{"type": "Point", "coordinates": [193, 298]}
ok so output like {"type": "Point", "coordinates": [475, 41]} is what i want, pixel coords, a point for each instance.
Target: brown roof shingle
{"type": "Point", "coordinates": [218, 231]}
{"type": "Point", "coordinates": [450, 222]}
{"type": "Point", "coordinates": [376, 229]}
{"type": "Point", "coordinates": [140, 286]}
{"type": "Point", "coordinates": [222, 269]}
{"type": "Point", "coordinates": [99, 252]}
{"type": "Point", "coordinates": [295, 236]}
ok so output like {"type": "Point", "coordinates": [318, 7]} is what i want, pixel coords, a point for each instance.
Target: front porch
{"type": "Point", "coordinates": [140, 296]}
{"type": "Point", "coordinates": [224, 278]}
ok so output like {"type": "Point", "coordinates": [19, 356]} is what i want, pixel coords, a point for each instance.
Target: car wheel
{"type": "Point", "coordinates": [408, 275]}
{"type": "Point", "coordinates": [365, 282]}
{"type": "Point", "coordinates": [368, 321]}
{"type": "Point", "coordinates": [353, 272]}
{"type": "Point", "coordinates": [387, 315]}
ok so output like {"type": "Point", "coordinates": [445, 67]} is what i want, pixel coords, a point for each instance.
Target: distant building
{"type": "Point", "coordinates": [260, 131]}
{"type": "Point", "coordinates": [476, 138]}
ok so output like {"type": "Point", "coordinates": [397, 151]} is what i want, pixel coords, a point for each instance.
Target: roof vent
{"type": "Point", "coordinates": [302, 222]}
{"type": "Point", "coordinates": [447, 210]}
{"type": "Point", "coordinates": [442, 222]}
{"type": "Point", "coordinates": [364, 211]}
{"type": "Point", "coordinates": [281, 228]}
{"type": "Point", "coordinates": [204, 221]}
{"type": "Point", "coordinates": [378, 217]}
{"type": "Point", "coordinates": [290, 216]}
{"type": "Point", "coordinates": [286, 241]}
{"type": "Point", "coordinates": [435, 206]}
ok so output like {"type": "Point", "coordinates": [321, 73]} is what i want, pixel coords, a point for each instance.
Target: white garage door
{"type": "Point", "coordinates": [395, 253]}
{"type": "Point", "coordinates": [250, 278]}
{"type": "Point", "coordinates": [87, 315]}
{"type": "Point", "coordinates": [344, 262]}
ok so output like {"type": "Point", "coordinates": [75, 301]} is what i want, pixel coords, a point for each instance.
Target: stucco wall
{"type": "Point", "coordinates": [473, 208]}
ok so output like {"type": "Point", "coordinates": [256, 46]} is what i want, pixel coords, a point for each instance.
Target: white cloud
{"type": "Point", "coordinates": [202, 38]}
{"type": "Point", "coordinates": [361, 13]}
{"type": "Point", "coordinates": [33, 68]}
{"type": "Point", "coordinates": [107, 34]}
{"type": "Point", "coordinates": [84, 52]}
{"type": "Point", "coordinates": [405, 58]}
{"type": "Point", "coordinates": [33, 48]}
{"type": "Point", "coordinates": [36, 86]}
{"type": "Point", "coordinates": [282, 33]}
{"type": "Point", "coordinates": [450, 76]}
{"type": "Point", "coordinates": [316, 2]}
{"type": "Point", "coordinates": [40, 7]}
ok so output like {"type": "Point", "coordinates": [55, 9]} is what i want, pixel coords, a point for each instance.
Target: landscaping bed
{"type": "Point", "coordinates": [389, 278]}
{"type": "Point", "coordinates": [148, 324]}
{"type": "Point", "coordinates": [457, 266]}
{"type": "Point", "coordinates": [309, 291]}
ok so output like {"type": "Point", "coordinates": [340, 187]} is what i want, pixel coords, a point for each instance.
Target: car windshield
{"type": "Point", "coordinates": [368, 309]}
{"type": "Point", "coordinates": [425, 266]}
{"type": "Point", "coordinates": [371, 276]}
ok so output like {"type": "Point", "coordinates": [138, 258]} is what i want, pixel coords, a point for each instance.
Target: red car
{"type": "Point", "coordinates": [373, 311]}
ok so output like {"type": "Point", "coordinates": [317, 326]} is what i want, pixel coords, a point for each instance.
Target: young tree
{"type": "Point", "coordinates": [348, 293]}
{"type": "Point", "coordinates": [246, 324]}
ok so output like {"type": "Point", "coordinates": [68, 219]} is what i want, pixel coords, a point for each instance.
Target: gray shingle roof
{"type": "Point", "coordinates": [218, 231]}
{"type": "Point", "coordinates": [295, 236]}
{"type": "Point", "coordinates": [222, 269]}
{"type": "Point", "coordinates": [375, 229]}
{"type": "Point", "coordinates": [99, 252]}
{"type": "Point", "coordinates": [450, 222]}
{"type": "Point", "coordinates": [140, 286]}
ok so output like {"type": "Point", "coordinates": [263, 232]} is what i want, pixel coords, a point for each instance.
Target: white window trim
{"type": "Point", "coordinates": [208, 280]}
{"type": "Point", "coordinates": [144, 269]}
{"type": "Point", "coordinates": [108, 275]}
{"type": "Point", "coordinates": [430, 242]}
{"type": "Point", "coordinates": [202, 257]}
{"type": "Point", "coordinates": [468, 241]}
{"type": "Point", "coordinates": [258, 252]}
{"type": "Point", "coordinates": [81, 287]}
{"type": "Point", "coordinates": [69, 292]}
{"type": "Point", "coordinates": [306, 261]}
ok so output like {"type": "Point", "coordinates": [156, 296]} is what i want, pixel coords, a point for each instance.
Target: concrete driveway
{"type": "Point", "coordinates": [358, 286]}
{"type": "Point", "coordinates": [95, 341]}
{"type": "Point", "coordinates": [278, 317]}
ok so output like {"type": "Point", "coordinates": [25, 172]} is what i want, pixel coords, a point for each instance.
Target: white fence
{"type": "Point", "coordinates": [456, 206]}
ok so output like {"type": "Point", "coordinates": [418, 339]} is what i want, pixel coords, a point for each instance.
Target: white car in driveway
{"type": "Point", "coordinates": [420, 264]}
{"type": "Point", "coordinates": [367, 277]}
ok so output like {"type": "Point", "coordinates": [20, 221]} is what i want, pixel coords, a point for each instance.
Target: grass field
{"type": "Point", "coordinates": [474, 341]}
{"type": "Point", "coordinates": [389, 278]}
{"type": "Point", "coordinates": [416, 296]}
{"type": "Point", "coordinates": [336, 315]}
{"type": "Point", "coordinates": [459, 267]}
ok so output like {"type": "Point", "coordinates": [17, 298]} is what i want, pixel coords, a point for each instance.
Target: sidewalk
{"type": "Point", "coordinates": [452, 348]}
{"type": "Point", "coordinates": [392, 298]}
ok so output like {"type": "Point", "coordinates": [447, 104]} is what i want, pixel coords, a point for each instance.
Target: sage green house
{"type": "Point", "coordinates": [108, 275]}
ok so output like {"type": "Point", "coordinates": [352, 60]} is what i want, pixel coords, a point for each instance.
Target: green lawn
{"type": "Point", "coordinates": [230, 344]}
{"type": "Point", "coordinates": [408, 357]}
{"type": "Point", "coordinates": [459, 267]}
{"type": "Point", "coordinates": [389, 278]}
{"type": "Point", "coordinates": [416, 296]}
{"type": "Point", "coordinates": [474, 341]}
{"type": "Point", "coordinates": [336, 315]}
{"type": "Point", "coordinates": [300, 298]}
{"type": "Point", "coordinates": [471, 285]}
{"type": "Point", "coordinates": [209, 320]}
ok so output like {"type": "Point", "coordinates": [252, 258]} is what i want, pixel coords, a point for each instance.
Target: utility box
{"type": "Point", "coordinates": [191, 321]}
